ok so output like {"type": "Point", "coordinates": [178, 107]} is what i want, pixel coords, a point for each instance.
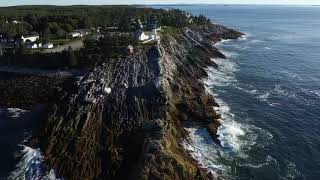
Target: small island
{"type": "Point", "coordinates": [119, 84]}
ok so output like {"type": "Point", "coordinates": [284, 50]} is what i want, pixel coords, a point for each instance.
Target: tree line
{"type": "Point", "coordinates": [56, 21]}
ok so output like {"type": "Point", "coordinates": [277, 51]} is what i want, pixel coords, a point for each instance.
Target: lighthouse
{"type": "Point", "coordinates": [154, 31]}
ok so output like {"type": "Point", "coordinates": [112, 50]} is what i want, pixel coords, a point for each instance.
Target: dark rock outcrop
{"type": "Point", "coordinates": [25, 91]}
{"type": "Point", "coordinates": [124, 119]}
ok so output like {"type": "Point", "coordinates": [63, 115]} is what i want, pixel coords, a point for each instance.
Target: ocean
{"type": "Point", "coordinates": [268, 90]}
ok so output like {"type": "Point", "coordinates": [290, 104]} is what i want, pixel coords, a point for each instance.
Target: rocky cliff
{"type": "Point", "coordinates": [124, 120]}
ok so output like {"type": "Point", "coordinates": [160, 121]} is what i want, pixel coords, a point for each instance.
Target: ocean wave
{"type": "Point", "coordinates": [237, 137]}
{"type": "Point", "coordinates": [229, 54]}
{"type": "Point", "coordinates": [204, 150]}
{"type": "Point", "coordinates": [264, 97]}
{"type": "Point", "coordinates": [245, 37]}
{"type": "Point", "coordinates": [223, 41]}
{"type": "Point", "coordinates": [228, 134]}
{"type": "Point", "coordinates": [254, 41]}
{"type": "Point", "coordinates": [236, 140]}
{"type": "Point", "coordinates": [13, 112]}
{"type": "Point", "coordinates": [252, 91]}
{"type": "Point", "coordinates": [312, 92]}
{"type": "Point", "coordinates": [223, 75]}
{"type": "Point", "coordinates": [31, 166]}
{"type": "Point", "coordinates": [280, 91]}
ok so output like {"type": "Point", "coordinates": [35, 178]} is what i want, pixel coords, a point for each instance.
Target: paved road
{"type": "Point", "coordinates": [75, 45]}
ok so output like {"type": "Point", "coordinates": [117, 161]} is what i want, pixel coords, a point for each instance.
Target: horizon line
{"type": "Point", "coordinates": [162, 4]}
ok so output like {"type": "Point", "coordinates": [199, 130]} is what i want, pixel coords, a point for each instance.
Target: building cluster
{"type": "Point", "coordinates": [148, 36]}
{"type": "Point", "coordinates": [80, 33]}
{"type": "Point", "coordinates": [32, 42]}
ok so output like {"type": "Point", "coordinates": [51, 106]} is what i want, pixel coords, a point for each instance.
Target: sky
{"type": "Point", "coordinates": [99, 2]}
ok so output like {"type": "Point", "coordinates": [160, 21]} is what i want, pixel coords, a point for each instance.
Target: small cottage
{"type": "Point", "coordinates": [16, 22]}
{"type": "Point", "coordinates": [83, 32]}
{"type": "Point", "coordinates": [48, 46]}
{"type": "Point", "coordinates": [74, 34]}
{"type": "Point", "coordinates": [29, 38]}
{"type": "Point", "coordinates": [142, 36]}
{"type": "Point", "coordinates": [32, 46]}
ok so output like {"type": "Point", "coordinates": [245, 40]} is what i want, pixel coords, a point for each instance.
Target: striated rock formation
{"type": "Point", "coordinates": [124, 119]}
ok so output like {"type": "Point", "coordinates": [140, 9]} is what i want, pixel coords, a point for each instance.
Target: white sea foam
{"type": "Point", "coordinates": [314, 92]}
{"type": "Point", "coordinates": [228, 135]}
{"type": "Point", "coordinates": [203, 149]}
{"type": "Point", "coordinates": [254, 41]}
{"type": "Point", "coordinates": [236, 139]}
{"type": "Point", "coordinates": [252, 91]}
{"type": "Point", "coordinates": [245, 37]}
{"type": "Point", "coordinates": [31, 166]}
{"type": "Point", "coordinates": [223, 75]}
{"type": "Point", "coordinates": [229, 54]}
{"type": "Point", "coordinates": [15, 112]}
{"type": "Point", "coordinates": [264, 96]}
{"type": "Point", "coordinates": [279, 90]}
{"type": "Point", "coordinates": [223, 41]}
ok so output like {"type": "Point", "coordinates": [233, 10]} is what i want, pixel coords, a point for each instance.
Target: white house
{"type": "Point", "coordinates": [48, 46]}
{"type": "Point", "coordinates": [142, 36]}
{"type": "Point", "coordinates": [152, 36]}
{"type": "Point", "coordinates": [83, 32]}
{"type": "Point", "coordinates": [15, 22]}
{"type": "Point", "coordinates": [29, 38]}
{"type": "Point", "coordinates": [32, 46]}
{"type": "Point", "coordinates": [75, 34]}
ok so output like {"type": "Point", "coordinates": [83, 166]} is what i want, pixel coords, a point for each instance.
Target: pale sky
{"type": "Point", "coordinates": [99, 2]}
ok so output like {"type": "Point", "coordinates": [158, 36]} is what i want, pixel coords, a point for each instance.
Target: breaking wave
{"type": "Point", "coordinates": [236, 140]}
{"type": "Point", "coordinates": [223, 75]}
{"type": "Point", "coordinates": [31, 166]}
{"type": "Point", "coordinates": [30, 162]}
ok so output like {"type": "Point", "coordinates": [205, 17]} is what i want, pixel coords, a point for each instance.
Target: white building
{"type": "Point", "coordinates": [75, 34]}
{"type": "Point", "coordinates": [32, 46]}
{"type": "Point", "coordinates": [15, 22]}
{"type": "Point", "coordinates": [83, 32]}
{"type": "Point", "coordinates": [155, 34]}
{"type": "Point", "coordinates": [142, 36]}
{"type": "Point", "coordinates": [48, 46]}
{"type": "Point", "coordinates": [29, 38]}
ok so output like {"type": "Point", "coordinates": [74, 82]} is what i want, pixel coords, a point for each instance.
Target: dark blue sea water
{"type": "Point", "coordinates": [269, 94]}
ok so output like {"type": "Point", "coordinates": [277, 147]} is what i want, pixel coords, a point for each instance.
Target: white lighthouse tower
{"type": "Point", "coordinates": [154, 31]}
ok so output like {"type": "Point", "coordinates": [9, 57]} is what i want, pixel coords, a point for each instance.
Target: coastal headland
{"type": "Point", "coordinates": [124, 118]}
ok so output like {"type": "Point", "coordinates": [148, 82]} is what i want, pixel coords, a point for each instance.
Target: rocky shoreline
{"type": "Point", "coordinates": [125, 119]}
{"type": "Point", "coordinates": [134, 130]}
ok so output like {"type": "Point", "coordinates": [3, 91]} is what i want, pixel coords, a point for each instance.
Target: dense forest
{"type": "Point", "coordinates": [55, 21]}
{"type": "Point", "coordinates": [94, 53]}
